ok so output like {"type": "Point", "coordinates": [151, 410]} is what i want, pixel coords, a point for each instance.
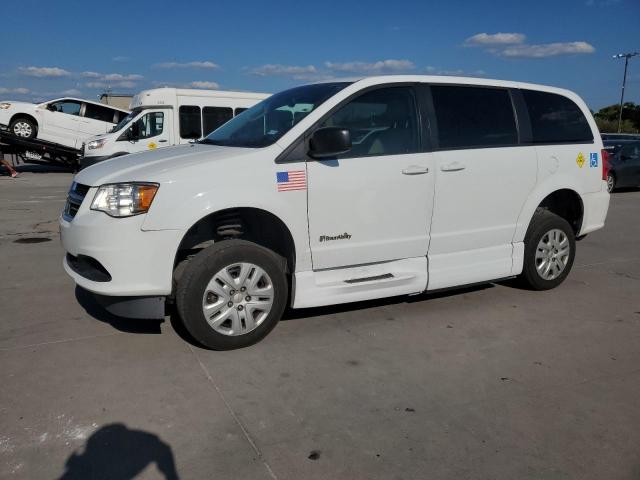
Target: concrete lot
{"type": "Point", "coordinates": [485, 383]}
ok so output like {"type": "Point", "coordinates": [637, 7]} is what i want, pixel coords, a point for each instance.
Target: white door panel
{"type": "Point", "coordinates": [383, 205]}
{"type": "Point", "coordinates": [59, 128]}
{"type": "Point", "coordinates": [478, 198]}
{"type": "Point", "coordinates": [154, 127]}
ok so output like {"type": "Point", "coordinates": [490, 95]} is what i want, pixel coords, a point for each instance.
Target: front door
{"type": "Point", "coordinates": [153, 132]}
{"type": "Point", "coordinates": [372, 204]}
{"type": "Point", "coordinates": [628, 167]}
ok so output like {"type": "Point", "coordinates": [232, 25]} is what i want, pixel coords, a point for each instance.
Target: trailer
{"type": "Point", "coordinates": [39, 151]}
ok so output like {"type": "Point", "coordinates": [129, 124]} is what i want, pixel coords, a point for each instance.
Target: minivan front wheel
{"type": "Point", "coordinates": [549, 251]}
{"type": "Point", "coordinates": [232, 294]}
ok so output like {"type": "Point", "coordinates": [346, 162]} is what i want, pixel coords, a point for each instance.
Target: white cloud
{"type": "Point", "coordinates": [203, 64]}
{"type": "Point", "coordinates": [21, 91]}
{"type": "Point", "coordinates": [455, 73]}
{"type": "Point", "coordinates": [277, 69]}
{"type": "Point", "coordinates": [121, 84]}
{"type": "Point", "coordinates": [546, 50]}
{"type": "Point", "coordinates": [493, 39]}
{"type": "Point", "coordinates": [44, 72]}
{"type": "Point", "coordinates": [206, 85]}
{"type": "Point", "coordinates": [601, 3]}
{"type": "Point", "coordinates": [73, 92]}
{"type": "Point", "coordinates": [120, 58]}
{"type": "Point", "coordinates": [112, 77]}
{"type": "Point", "coordinates": [381, 66]}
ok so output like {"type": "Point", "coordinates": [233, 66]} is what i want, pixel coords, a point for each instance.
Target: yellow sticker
{"type": "Point", "coordinates": [580, 160]}
{"type": "Point", "coordinates": [152, 145]}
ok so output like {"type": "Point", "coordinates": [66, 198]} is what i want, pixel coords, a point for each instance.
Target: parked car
{"type": "Point", "coordinates": [620, 136]}
{"type": "Point", "coordinates": [65, 121]}
{"type": "Point", "coordinates": [624, 163]}
{"type": "Point", "coordinates": [340, 192]}
{"type": "Point", "coordinates": [163, 117]}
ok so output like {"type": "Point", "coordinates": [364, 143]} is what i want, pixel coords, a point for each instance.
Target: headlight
{"type": "Point", "coordinates": [4, 106]}
{"type": "Point", "coordinates": [124, 199]}
{"type": "Point", "coordinates": [93, 144]}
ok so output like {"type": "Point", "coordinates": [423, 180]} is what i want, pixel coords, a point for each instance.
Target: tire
{"type": "Point", "coordinates": [553, 234]}
{"type": "Point", "coordinates": [233, 320]}
{"type": "Point", "coordinates": [23, 127]}
{"type": "Point", "coordinates": [611, 182]}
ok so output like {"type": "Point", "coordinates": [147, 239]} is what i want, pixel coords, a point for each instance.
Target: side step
{"type": "Point", "coordinates": [362, 282]}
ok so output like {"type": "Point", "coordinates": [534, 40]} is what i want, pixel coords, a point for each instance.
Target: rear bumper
{"type": "Point", "coordinates": [596, 206]}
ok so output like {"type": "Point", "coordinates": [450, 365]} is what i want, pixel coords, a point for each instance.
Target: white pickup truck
{"type": "Point", "coordinates": [338, 192]}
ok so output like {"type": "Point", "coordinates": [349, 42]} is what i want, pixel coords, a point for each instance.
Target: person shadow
{"type": "Point", "coordinates": [115, 452]}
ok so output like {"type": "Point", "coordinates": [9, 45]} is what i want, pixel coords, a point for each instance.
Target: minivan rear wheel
{"type": "Point", "coordinates": [611, 182]}
{"type": "Point", "coordinates": [23, 127]}
{"type": "Point", "coordinates": [232, 294]}
{"type": "Point", "coordinates": [549, 251]}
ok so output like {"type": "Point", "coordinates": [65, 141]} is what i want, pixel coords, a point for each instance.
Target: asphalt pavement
{"type": "Point", "coordinates": [490, 382]}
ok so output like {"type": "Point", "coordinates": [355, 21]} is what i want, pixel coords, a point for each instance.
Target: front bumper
{"type": "Point", "coordinates": [137, 262]}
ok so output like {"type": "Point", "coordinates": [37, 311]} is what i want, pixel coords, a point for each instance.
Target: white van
{"type": "Point", "coordinates": [339, 192]}
{"type": "Point", "coordinates": [65, 121]}
{"type": "Point", "coordinates": [168, 116]}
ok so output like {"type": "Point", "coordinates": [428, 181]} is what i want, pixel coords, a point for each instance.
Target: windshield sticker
{"type": "Point", "coordinates": [593, 160]}
{"type": "Point", "coordinates": [580, 160]}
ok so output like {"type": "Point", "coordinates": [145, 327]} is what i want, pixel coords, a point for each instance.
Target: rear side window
{"type": "Point", "coordinates": [213, 117]}
{"type": "Point", "coordinates": [474, 117]}
{"type": "Point", "coordinates": [190, 122]}
{"type": "Point", "coordinates": [555, 118]}
{"type": "Point", "coordinates": [98, 112]}
{"type": "Point", "coordinates": [240, 110]}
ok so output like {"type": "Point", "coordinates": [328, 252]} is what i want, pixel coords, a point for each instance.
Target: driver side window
{"type": "Point", "coordinates": [70, 107]}
{"type": "Point", "coordinates": [150, 125]}
{"type": "Point", "coordinates": [381, 122]}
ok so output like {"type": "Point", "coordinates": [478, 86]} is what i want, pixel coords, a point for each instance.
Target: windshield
{"type": "Point", "coordinates": [130, 116]}
{"type": "Point", "coordinates": [264, 123]}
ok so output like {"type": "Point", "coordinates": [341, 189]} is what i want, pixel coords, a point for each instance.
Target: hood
{"type": "Point", "coordinates": [16, 103]}
{"type": "Point", "coordinates": [156, 165]}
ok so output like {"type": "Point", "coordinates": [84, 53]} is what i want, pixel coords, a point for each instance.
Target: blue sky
{"type": "Point", "coordinates": [59, 48]}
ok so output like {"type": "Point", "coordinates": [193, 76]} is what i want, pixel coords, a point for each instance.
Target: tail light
{"type": "Point", "coordinates": [605, 163]}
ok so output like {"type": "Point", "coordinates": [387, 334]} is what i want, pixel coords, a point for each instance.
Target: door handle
{"type": "Point", "coordinates": [162, 141]}
{"type": "Point", "coordinates": [452, 167]}
{"type": "Point", "coordinates": [415, 170]}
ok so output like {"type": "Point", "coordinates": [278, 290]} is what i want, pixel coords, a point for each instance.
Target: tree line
{"type": "Point", "coordinates": [607, 118]}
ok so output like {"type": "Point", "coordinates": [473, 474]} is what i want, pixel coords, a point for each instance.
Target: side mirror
{"type": "Point", "coordinates": [328, 142]}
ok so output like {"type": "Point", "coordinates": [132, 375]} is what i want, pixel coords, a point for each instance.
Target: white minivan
{"type": "Point", "coordinates": [164, 117]}
{"type": "Point", "coordinates": [65, 121]}
{"type": "Point", "coordinates": [339, 192]}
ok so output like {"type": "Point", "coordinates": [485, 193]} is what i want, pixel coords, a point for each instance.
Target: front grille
{"type": "Point", "coordinates": [76, 195]}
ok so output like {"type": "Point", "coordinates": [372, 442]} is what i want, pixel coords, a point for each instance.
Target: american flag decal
{"type": "Point", "coordinates": [291, 180]}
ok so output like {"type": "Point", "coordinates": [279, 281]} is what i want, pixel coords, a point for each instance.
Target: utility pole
{"type": "Point", "coordinates": [626, 57]}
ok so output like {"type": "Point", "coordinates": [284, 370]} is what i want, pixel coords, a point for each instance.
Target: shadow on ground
{"type": "Point", "coordinates": [94, 309]}
{"type": "Point", "coordinates": [115, 452]}
{"type": "Point", "coordinates": [128, 325]}
{"type": "Point", "coordinates": [304, 313]}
